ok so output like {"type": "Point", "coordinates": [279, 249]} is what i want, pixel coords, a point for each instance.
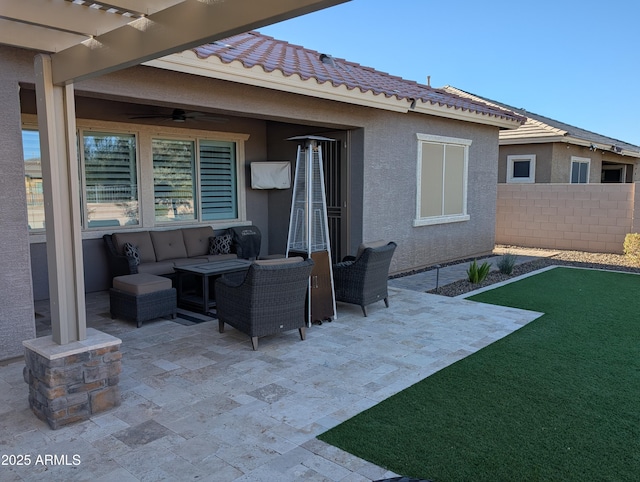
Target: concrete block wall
{"type": "Point", "coordinates": [582, 217]}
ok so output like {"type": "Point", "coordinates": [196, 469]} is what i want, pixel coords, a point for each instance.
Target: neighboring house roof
{"type": "Point", "coordinates": [541, 129]}
{"type": "Point", "coordinates": [257, 59]}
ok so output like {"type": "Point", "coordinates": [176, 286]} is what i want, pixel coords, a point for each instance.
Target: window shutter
{"type": "Point", "coordinates": [110, 176]}
{"type": "Point", "coordinates": [110, 168]}
{"type": "Point", "coordinates": [173, 173]}
{"type": "Point", "coordinates": [218, 180]}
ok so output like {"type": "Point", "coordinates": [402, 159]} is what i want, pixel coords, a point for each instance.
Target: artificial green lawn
{"type": "Point", "coordinates": [558, 400]}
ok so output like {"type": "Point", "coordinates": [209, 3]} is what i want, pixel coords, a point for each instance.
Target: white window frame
{"type": "Point", "coordinates": [532, 168]}
{"type": "Point", "coordinates": [581, 160]}
{"type": "Point", "coordinates": [144, 167]}
{"type": "Point", "coordinates": [83, 178]}
{"type": "Point", "coordinates": [445, 218]}
{"type": "Point", "coordinates": [197, 179]}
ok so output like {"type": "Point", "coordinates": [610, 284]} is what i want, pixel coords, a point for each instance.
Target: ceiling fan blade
{"type": "Point", "coordinates": [179, 115]}
{"type": "Point", "coordinates": [150, 117]}
{"type": "Point", "coordinates": [202, 116]}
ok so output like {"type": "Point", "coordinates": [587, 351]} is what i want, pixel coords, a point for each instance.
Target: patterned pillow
{"type": "Point", "coordinates": [220, 244]}
{"type": "Point", "coordinates": [131, 251]}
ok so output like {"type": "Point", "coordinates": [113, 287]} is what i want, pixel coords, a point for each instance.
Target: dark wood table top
{"type": "Point", "coordinates": [216, 267]}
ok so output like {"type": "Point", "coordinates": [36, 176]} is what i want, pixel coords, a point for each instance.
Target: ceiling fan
{"type": "Point", "coordinates": [180, 115]}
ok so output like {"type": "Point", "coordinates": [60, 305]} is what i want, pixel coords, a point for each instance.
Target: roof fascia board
{"type": "Point", "coordinates": [465, 115]}
{"type": "Point", "coordinates": [532, 140]}
{"type": "Point", "coordinates": [601, 147]}
{"type": "Point", "coordinates": [185, 25]}
{"type": "Point", "coordinates": [567, 140]}
{"type": "Point", "coordinates": [213, 67]}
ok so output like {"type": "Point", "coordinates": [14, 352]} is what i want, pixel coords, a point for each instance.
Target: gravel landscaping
{"type": "Point", "coordinates": [616, 262]}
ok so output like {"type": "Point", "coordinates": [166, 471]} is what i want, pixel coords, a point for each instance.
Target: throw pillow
{"type": "Point", "coordinates": [220, 244]}
{"type": "Point", "coordinates": [131, 251]}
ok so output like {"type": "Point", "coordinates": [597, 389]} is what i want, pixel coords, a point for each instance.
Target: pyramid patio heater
{"type": "Point", "coordinates": [309, 229]}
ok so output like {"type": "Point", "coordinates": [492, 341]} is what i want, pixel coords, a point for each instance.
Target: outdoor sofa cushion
{"type": "Point", "coordinates": [196, 240]}
{"type": "Point", "coordinates": [168, 244]}
{"type": "Point", "coordinates": [161, 251]}
{"type": "Point", "coordinates": [141, 284]}
{"type": "Point", "coordinates": [139, 239]}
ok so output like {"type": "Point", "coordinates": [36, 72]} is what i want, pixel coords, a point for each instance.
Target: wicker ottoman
{"type": "Point", "coordinates": [142, 297]}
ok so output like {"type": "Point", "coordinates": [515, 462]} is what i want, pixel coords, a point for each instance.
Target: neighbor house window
{"type": "Point", "coordinates": [442, 179]}
{"type": "Point", "coordinates": [33, 178]}
{"type": "Point", "coordinates": [194, 180]}
{"type": "Point", "coordinates": [109, 166]}
{"type": "Point", "coordinates": [580, 170]}
{"type": "Point", "coordinates": [521, 168]}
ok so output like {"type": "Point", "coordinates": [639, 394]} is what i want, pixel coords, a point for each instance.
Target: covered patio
{"type": "Point", "coordinates": [197, 403]}
{"type": "Point", "coordinates": [69, 43]}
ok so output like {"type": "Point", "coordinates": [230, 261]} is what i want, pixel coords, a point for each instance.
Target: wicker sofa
{"type": "Point", "coordinates": [160, 251]}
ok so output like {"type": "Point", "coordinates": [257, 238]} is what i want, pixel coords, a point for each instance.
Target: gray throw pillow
{"type": "Point", "coordinates": [131, 251]}
{"type": "Point", "coordinates": [220, 244]}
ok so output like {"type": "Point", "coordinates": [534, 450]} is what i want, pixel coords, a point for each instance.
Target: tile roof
{"type": "Point", "coordinates": [253, 49]}
{"type": "Point", "coordinates": [540, 127]}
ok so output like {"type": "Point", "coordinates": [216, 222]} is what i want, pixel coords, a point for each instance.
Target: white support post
{"type": "Point", "coordinates": [60, 175]}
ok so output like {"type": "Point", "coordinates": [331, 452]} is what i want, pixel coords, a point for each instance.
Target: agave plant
{"type": "Point", "coordinates": [477, 274]}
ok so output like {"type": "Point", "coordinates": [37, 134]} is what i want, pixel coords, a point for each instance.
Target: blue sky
{"type": "Point", "coordinates": [574, 61]}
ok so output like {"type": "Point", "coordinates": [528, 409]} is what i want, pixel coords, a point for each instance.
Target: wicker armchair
{"type": "Point", "coordinates": [362, 280]}
{"type": "Point", "coordinates": [269, 299]}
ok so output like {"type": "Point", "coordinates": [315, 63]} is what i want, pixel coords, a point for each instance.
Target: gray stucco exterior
{"type": "Point", "coordinates": [381, 152]}
{"type": "Point", "coordinates": [553, 161]}
{"type": "Point", "coordinates": [16, 296]}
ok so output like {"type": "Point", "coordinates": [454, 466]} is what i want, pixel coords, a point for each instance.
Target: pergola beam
{"type": "Point", "coordinates": [35, 37]}
{"type": "Point", "coordinates": [61, 16]}
{"type": "Point", "coordinates": [182, 26]}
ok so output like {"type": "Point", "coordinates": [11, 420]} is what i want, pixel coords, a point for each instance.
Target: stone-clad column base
{"type": "Point", "coordinates": [70, 383]}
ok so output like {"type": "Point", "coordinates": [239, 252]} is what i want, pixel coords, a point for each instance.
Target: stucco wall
{"type": "Point", "coordinates": [553, 161]}
{"type": "Point", "coordinates": [16, 299]}
{"type": "Point", "coordinates": [584, 217]}
{"type": "Point", "coordinates": [388, 151]}
{"type": "Point", "coordinates": [390, 190]}
{"type": "Point", "coordinates": [543, 153]}
{"type": "Point", "coordinates": [382, 156]}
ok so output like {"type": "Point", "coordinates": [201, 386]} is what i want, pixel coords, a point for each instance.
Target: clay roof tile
{"type": "Point", "coordinates": [254, 49]}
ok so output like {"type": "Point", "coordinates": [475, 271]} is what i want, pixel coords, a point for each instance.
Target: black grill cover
{"type": "Point", "coordinates": [247, 241]}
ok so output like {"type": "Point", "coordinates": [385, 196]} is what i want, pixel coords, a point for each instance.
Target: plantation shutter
{"type": "Point", "coordinates": [173, 178]}
{"type": "Point", "coordinates": [110, 180]}
{"type": "Point", "coordinates": [218, 194]}
{"type": "Point", "coordinates": [110, 168]}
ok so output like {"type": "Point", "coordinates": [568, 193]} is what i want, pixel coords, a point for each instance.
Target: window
{"type": "Point", "coordinates": [613, 173]}
{"type": "Point", "coordinates": [33, 178]}
{"type": "Point", "coordinates": [189, 187]}
{"type": "Point", "coordinates": [580, 170]}
{"type": "Point", "coordinates": [189, 179]}
{"type": "Point", "coordinates": [218, 180]}
{"type": "Point", "coordinates": [173, 179]}
{"type": "Point", "coordinates": [442, 180]}
{"type": "Point", "coordinates": [110, 179]}
{"type": "Point", "coordinates": [521, 168]}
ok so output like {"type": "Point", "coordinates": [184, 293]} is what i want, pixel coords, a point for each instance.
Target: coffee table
{"type": "Point", "coordinates": [204, 302]}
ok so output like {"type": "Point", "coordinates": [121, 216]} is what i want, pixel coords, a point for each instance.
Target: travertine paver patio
{"type": "Point", "coordinates": [199, 405]}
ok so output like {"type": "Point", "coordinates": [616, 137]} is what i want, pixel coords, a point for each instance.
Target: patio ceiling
{"type": "Point", "coordinates": [87, 38]}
